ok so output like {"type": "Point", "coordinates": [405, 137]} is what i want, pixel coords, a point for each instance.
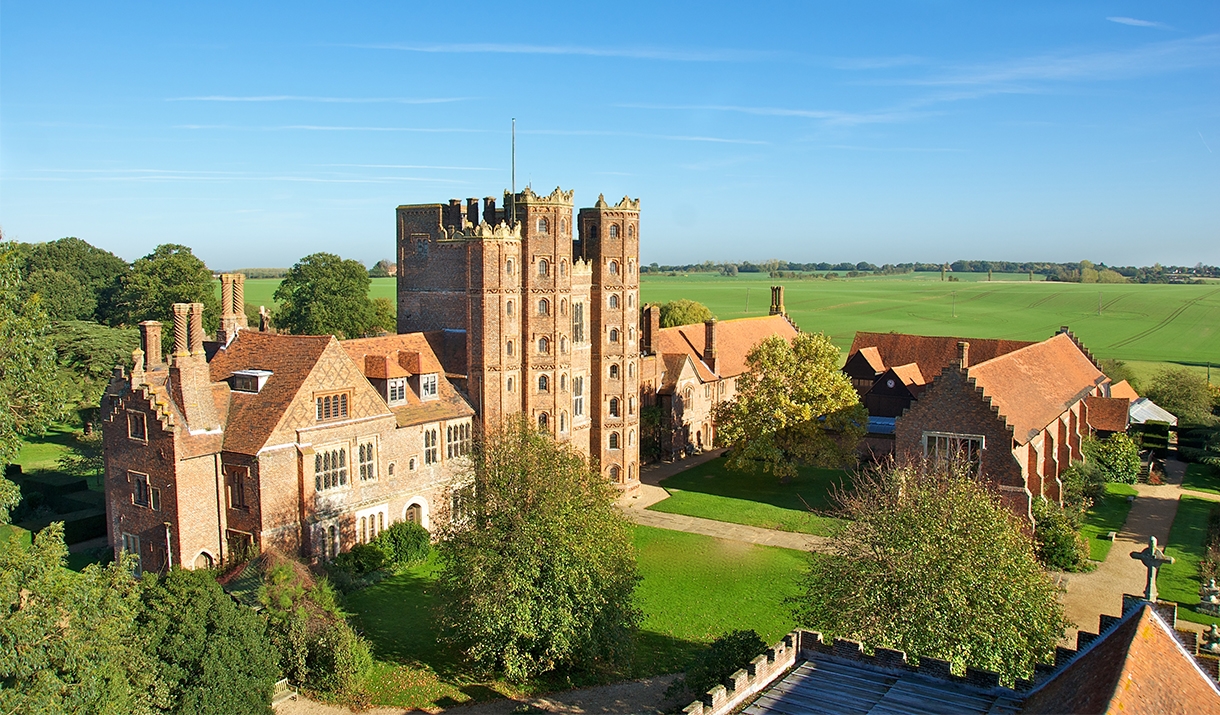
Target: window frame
{"type": "Point", "coordinates": [366, 461]}
{"type": "Point", "coordinates": [332, 405]}
{"type": "Point", "coordinates": [429, 386]}
{"type": "Point", "coordinates": [142, 437]}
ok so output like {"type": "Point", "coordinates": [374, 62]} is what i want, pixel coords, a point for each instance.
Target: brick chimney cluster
{"type": "Point", "coordinates": [709, 343]}
{"type": "Point", "coordinates": [232, 307]}
{"type": "Point", "coordinates": [651, 328]}
{"type": "Point", "coordinates": [189, 373]}
{"type": "Point", "coordinates": [777, 301]}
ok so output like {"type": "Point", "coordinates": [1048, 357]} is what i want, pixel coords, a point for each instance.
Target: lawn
{"type": "Point", "coordinates": [1202, 478]}
{"type": "Point", "coordinates": [1179, 581]}
{"type": "Point", "coordinates": [1109, 513]}
{"type": "Point", "coordinates": [259, 290]}
{"type": "Point", "coordinates": [694, 589]}
{"type": "Point", "coordinates": [43, 452]}
{"type": "Point", "coordinates": [712, 492]}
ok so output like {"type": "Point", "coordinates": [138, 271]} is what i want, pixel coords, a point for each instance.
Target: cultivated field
{"type": "Point", "coordinates": [1153, 323]}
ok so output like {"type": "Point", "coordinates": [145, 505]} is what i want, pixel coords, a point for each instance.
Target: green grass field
{"type": "Point", "coordinates": [260, 290]}
{"type": "Point", "coordinates": [1202, 478]}
{"type": "Point", "coordinates": [694, 589]}
{"type": "Point", "coordinates": [712, 492]}
{"type": "Point", "coordinates": [1179, 581]}
{"type": "Point", "coordinates": [1108, 513]}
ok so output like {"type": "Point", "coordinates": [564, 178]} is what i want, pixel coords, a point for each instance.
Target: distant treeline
{"type": "Point", "coordinates": [260, 272]}
{"type": "Point", "coordinates": [1075, 272]}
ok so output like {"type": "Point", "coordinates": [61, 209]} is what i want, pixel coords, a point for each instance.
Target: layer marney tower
{"type": "Point", "coordinates": [539, 317]}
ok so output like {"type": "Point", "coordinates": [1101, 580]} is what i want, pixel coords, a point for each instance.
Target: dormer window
{"type": "Point", "coordinates": [428, 386]}
{"type": "Point", "coordinates": [250, 380]}
{"type": "Point", "coordinates": [396, 391]}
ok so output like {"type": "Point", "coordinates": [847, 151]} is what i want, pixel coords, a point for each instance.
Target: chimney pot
{"type": "Point", "coordinates": [182, 317]}
{"type": "Point", "coordinates": [963, 354]}
{"type": "Point", "coordinates": [150, 343]}
{"type": "Point", "coordinates": [709, 343]}
{"type": "Point", "coordinates": [195, 332]}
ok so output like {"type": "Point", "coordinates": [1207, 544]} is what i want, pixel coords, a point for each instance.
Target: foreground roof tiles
{"type": "Point", "coordinates": [734, 340]}
{"type": "Point", "coordinates": [1108, 414]}
{"type": "Point", "coordinates": [932, 353]}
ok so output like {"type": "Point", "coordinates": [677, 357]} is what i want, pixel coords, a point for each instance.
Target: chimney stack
{"type": "Point", "coordinates": [709, 343]}
{"type": "Point", "coordinates": [239, 299]}
{"type": "Point", "coordinates": [195, 332]}
{"type": "Point", "coordinates": [226, 294]}
{"type": "Point", "coordinates": [472, 211]}
{"type": "Point", "coordinates": [489, 210]}
{"type": "Point", "coordinates": [777, 300]}
{"type": "Point", "coordinates": [651, 329]}
{"type": "Point", "coordinates": [182, 316]}
{"type": "Point", "coordinates": [963, 354]}
{"type": "Point", "coordinates": [150, 343]}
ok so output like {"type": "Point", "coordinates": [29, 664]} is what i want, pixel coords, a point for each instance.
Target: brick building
{"type": "Point", "coordinates": [538, 311]}
{"type": "Point", "coordinates": [264, 440]}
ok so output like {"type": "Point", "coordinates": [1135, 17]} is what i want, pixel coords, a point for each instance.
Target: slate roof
{"type": "Point", "coordinates": [734, 340]}
{"type": "Point", "coordinates": [1035, 384]}
{"type": "Point", "coordinates": [290, 358]}
{"type": "Point", "coordinates": [932, 353]}
{"type": "Point", "coordinates": [1108, 414]}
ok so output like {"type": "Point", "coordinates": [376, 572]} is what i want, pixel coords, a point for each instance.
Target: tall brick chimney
{"type": "Point", "coordinates": [150, 343]}
{"type": "Point", "coordinates": [232, 306]}
{"type": "Point", "coordinates": [472, 211]}
{"type": "Point", "coordinates": [195, 332]}
{"type": "Point", "coordinates": [777, 300]}
{"type": "Point", "coordinates": [489, 210]}
{"type": "Point", "coordinates": [182, 317]}
{"type": "Point", "coordinates": [651, 327]}
{"type": "Point", "coordinates": [963, 354]}
{"type": "Point", "coordinates": [709, 343]}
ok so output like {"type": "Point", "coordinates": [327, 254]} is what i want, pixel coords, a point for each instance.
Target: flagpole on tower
{"type": "Point", "coordinates": [513, 203]}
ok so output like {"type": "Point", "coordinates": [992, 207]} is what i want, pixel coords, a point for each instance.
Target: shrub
{"type": "Point", "coordinates": [1117, 457]}
{"type": "Point", "coordinates": [1057, 543]}
{"type": "Point", "coordinates": [1083, 483]}
{"type": "Point", "coordinates": [404, 543]}
{"type": "Point", "coordinates": [361, 560]}
{"type": "Point", "coordinates": [338, 658]}
{"type": "Point", "coordinates": [725, 656]}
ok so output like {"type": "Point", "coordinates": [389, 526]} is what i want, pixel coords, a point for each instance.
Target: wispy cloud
{"type": "Point", "coordinates": [639, 53]}
{"type": "Point", "coordinates": [829, 116]}
{"type": "Point", "coordinates": [875, 63]}
{"type": "Point", "coordinates": [184, 175]}
{"type": "Point", "coordinates": [413, 166]}
{"type": "Point", "coordinates": [1138, 23]}
{"type": "Point", "coordinates": [898, 149]}
{"type": "Point", "coordinates": [322, 128]}
{"type": "Point", "coordinates": [336, 100]}
{"type": "Point", "coordinates": [640, 135]}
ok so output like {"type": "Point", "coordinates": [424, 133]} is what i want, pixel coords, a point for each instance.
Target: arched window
{"type": "Point", "coordinates": [544, 307]}
{"type": "Point", "coordinates": [613, 300]}
{"type": "Point", "coordinates": [563, 383]}
{"type": "Point", "coordinates": [333, 542]}
{"type": "Point", "coordinates": [631, 438]}
{"type": "Point", "coordinates": [544, 267]}
{"type": "Point", "coordinates": [544, 383]}
{"type": "Point", "coordinates": [630, 230]}
{"type": "Point", "coordinates": [630, 369]}
{"type": "Point", "coordinates": [563, 421]}
{"type": "Point", "coordinates": [563, 305]}
{"type": "Point", "coordinates": [630, 301]}
{"type": "Point", "coordinates": [563, 268]}
{"type": "Point", "coordinates": [544, 345]}
{"type": "Point", "coordinates": [686, 394]}
{"type": "Point", "coordinates": [508, 348]}
{"type": "Point", "coordinates": [592, 230]}
{"type": "Point", "coordinates": [631, 333]}
{"type": "Point", "coordinates": [614, 335]}
{"type": "Point", "coordinates": [563, 225]}
{"type": "Point", "coordinates": [508, 266]}
{"type": "Point", "coordinates": [510, 384]}
{"type": "Point", "coordinates": [364, 529]}
{"type": "Point", "coordinates": [613, 267]}
{"type": "Point", "coordinates": [614, 440]}
{"type": "Point", "coordinates": [542, 420]}
{"type": "Point", "coordinates": [508, 308]}
{"type": "Point", "coordinates": [543, 226]}
{"type": "Point", "coordinates": [615, 472]}
{"type": "Point", "coordinates": [631, 405]}
{"type": "Point", "coordinates": [563, 344]}
{"type": "Point", "coordinates": [614, 372]}
{"type": "Point", "coordinates": [614, 407]}
{"type": "Point", "coordinates": [630, 471]}
{"type": "Point", "coordinates": [613, 230]}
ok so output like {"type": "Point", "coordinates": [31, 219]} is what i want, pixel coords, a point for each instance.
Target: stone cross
{"type": "Point", "coordinates": [1153, 558]}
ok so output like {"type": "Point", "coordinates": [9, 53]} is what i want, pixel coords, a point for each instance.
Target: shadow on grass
{"type": "Point", "coordinates": [811, 489]}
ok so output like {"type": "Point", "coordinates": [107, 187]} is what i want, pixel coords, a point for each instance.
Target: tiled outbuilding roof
{"type": "Point", "coordinates": [1124, 390]}
{"type": "Point", "coordinates": [1035, 384]}
{"type": "Point", "coordinates": [734, 340]}
{"type": "Point", "coordinates": [932, 353]}
{"type": "Point", "coordinates": [1107, 414]}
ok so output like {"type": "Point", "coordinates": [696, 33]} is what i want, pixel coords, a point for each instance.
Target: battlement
{"type": "Point", "coordinates": [581, 267]}
{"type": "Point", "coordinates": [527, 196]}
{"type": "Point", "coordinates": [627, 204]}
{"type": "Point", "coordinates": [484, 232]}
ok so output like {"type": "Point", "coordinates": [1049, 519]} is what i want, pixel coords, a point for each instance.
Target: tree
{"type": "Point", "coordinates": [87, 353]}
{"type": "Point", "coordinates": [793, 406]}
{"type": "Point", "coordinates": [930, 562]}
{"type": "Point", "coordinates": [383, 269]}
{"type": "Point", "coordinates": [30, 396]}
{"type": "Point", "coordinates": [56, 267]}
{"type": "Point", "coordinates": [683, 312]}
{"type": "Point", "coordinates": [1118, 370]}
{"type": "Point", "coordinates": [212, 655]}
{"type": "Point", "coordinates": [324, 294]}
{"type": "Point", "coordinates": [68, 641]}
{"type": "Point", "coordinates": [538, 568]}
{"type": "Point", "coordinates": [170, 274]}
{"type": "Point", "coordinates": [1117, 457]}
{"type": "Point", "coordinates": [1184, 393]}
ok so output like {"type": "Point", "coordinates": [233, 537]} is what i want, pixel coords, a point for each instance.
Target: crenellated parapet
{"type": "Point", "coordinates": [484, 232]}
{"type": "Point", "coordinates": [558, 196]}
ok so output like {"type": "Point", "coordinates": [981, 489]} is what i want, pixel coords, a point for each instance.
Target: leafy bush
{"type": "Point", "coordinates": [361, 560]}
{"type": "Point", "coordinates": [1083, 483]}
{"type": "Point", "coordinates": [1117, 457]}
{"type": "Point", "coordinates": [1184, 393]}
{"type": "Point", "coordinates": [338, 658]}
{"type": "Point", "coordinates": [404, 543]}
{"type": "Point", "coordinates": [725, 656]}
{"type": "Point", "coordinates": [1057, 541]}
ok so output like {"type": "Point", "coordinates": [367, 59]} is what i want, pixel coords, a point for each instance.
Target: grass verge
{"type": "Point", "coordinates": [1109, 513]}
{"type": "Point", "coordinates": [694, 589]}
{"type": "Point", "coordinates": [710, 491]}
{"type": "Point", "coordinates": [1202, 478]}
{"type": "Point", "coordinates": [1179, 581]}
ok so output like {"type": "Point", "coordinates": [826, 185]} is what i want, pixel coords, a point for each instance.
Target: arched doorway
{"type": "Point", "coordinates": [204, 561]}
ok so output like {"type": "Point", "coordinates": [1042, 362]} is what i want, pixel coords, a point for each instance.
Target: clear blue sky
{"type": "Point", "coordinates": [258, 132]}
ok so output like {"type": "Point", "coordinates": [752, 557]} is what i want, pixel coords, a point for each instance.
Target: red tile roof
{"type": "Point", "coordinates": [909, 374]}
{"type": "Point", "coordinates": [1108, 414]}
{"type": "Point", "coordinates": [1035, 384]}
{"type": "Point", "coordinates": [873, 357]}
{"type": "Point", "coordinates": [1138, 668]}
{"type": "Point", "coordinates": [409, 354]}
{"type": "Point", "coordinates": [931, 353]}
{"type": "Point", "coordinates": [410, 350]}
{"type": "Point", "coordinates": [290, 358]}
{"type": "Point", "coordinates": [1124, 390]}
{"type": "Point", "coordinates": [734, 340]}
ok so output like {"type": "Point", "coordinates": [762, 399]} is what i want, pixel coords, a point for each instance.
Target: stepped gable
{"type": "Point", "coordinates": [734, 340]}
{"type": "Point", "coordinates": [1107, 414]}
{"type": "Point", "coordinates": [931, 353]}
{"type": "Point", "coordinates": [1138, 667]}
{"type": "Point", "coordinates": [408, 355]}
{"type": "Point", "coordinates": [252, 417]}
{"type": "Point", "coordinates": [1032, 386]}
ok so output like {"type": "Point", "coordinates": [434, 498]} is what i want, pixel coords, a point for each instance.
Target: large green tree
{"type": "Point", "coordinates": [930, 562]}
{"type": "Point", "coordinates": [683, 312]}
{"type": "Point", "coordinates": [170, 274]}
{"type": "Point", "coordinates": [212, 655]}
{"type": "Point", "coordinates": [538, 568]}
{"type": "Point", "coordinates": [1184, 393]}
{"type": "Point", "coordinates": [87, 353]}
{"type": "Point", "coordinates": [324, 294]}
{"type": "Point", "coordinates": [793, 407]}
{"type": "Point", "coordinates": [30, 396]}
{"type": "Point", "coordinates": [77, 281]}
{"type": "Point", "coordinates": [68, 641]}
